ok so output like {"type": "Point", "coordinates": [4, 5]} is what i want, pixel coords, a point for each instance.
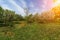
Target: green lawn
{"type": "Point", "coordinates": [48, 31]}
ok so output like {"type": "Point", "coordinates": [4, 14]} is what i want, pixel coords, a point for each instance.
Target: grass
{"type": "Point", "coordinates": [50, 31]}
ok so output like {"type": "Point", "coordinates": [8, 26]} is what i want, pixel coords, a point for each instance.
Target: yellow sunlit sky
{"type": "Point", "coordinates": [56, 2]}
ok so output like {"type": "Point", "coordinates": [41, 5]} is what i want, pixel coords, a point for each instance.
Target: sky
{"type": "Point", "coordinates": [33, 6]}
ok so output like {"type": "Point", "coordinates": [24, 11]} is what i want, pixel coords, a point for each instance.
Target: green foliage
{"type": "Point", "coordinates": [7, 17]}
{"type": "Point", "coordinates": [29, 19]}
{"type": "Point", "coordinates": [33, 31]}
{"type": "Point", "coordinates": [29, 27]}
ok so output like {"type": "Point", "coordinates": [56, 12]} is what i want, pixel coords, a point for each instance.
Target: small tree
{"type": "Point", "coordinates": [26, 11]}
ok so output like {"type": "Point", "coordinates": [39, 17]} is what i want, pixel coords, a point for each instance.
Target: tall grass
{"type": "Point", "coordinates": [33, 31]}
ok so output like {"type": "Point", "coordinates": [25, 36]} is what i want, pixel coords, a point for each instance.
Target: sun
{"type": "Point", "coordinates": [56, 2]}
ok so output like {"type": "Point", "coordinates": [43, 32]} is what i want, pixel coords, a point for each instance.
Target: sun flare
{"type": "Point", "coordinates": [56, 2]}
